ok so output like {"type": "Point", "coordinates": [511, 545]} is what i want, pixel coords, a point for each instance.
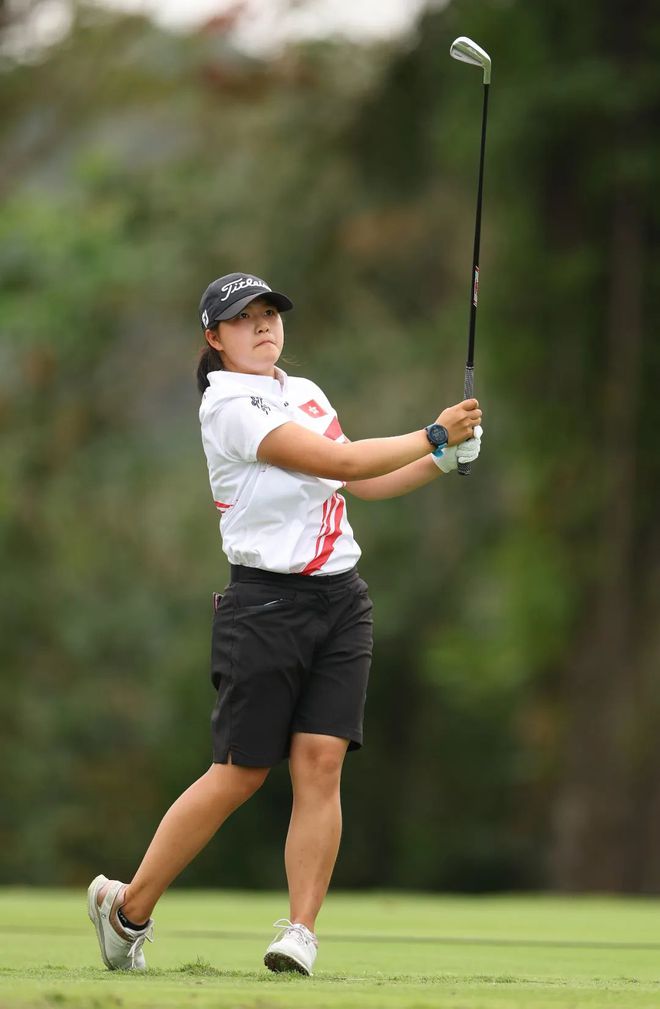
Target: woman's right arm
{"type": "Point", "coordinates": [293, 447]}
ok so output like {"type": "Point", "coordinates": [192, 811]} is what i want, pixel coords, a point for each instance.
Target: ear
{"type": "Point", "coordinates": [213, 339]}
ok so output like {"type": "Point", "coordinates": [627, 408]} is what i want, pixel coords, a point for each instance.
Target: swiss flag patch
{"type": "Point", "coordinates": [312, 409]}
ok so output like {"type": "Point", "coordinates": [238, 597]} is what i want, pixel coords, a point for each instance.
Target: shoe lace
{"type": "Point", "coordinates": [139, 942]}
{"type": "Point", "coordinates": [299, 931]}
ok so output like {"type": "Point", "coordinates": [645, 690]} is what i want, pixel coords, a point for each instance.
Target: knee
{"type": "Point", "coordinates": [250, 779]}
{"type": "Point", "coordinates": [241, 781]}
{"type": "Point", "coordinates": [325, 765]}
{"type": "Point", "coordinates": [318, 767]}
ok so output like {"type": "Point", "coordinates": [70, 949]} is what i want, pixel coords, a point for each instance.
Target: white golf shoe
{"type": "Point", "coordinates": [121, 948]}
{"type": "Point", "coordinates": [294, 948]}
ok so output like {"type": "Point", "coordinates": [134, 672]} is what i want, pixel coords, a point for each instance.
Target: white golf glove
{"type": "Point", "coordinates": [448, 458]}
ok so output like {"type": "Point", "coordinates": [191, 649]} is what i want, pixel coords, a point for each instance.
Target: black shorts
{"type": "Point", "coordinates": [290, 653]}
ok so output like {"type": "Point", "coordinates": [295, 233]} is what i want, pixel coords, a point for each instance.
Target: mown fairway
{"type": "Point", "coordinates": [401, 951]}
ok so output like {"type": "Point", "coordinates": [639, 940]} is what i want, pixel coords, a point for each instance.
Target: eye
{"type": "Point", "coordinates": [270, 311]}
{"type": "Point", "coordinates": [243, 315]}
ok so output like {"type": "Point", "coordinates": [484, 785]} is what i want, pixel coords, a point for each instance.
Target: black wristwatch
{"type": "Point", "coordinates": [437, 435]}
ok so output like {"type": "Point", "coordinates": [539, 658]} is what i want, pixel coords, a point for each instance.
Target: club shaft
{"type": "Point", "coordinates": [464, 468]}
{"type": "Point", "coordinates": [474, 284]}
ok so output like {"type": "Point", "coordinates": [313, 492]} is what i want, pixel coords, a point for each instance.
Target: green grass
{"type": "Point", "coordinates": [377, 950]}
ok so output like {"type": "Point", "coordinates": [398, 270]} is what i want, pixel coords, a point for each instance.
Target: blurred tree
{"type": "Point", "coordinates": [600, 194]}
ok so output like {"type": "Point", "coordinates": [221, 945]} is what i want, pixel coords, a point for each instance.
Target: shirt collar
{"type": "Point", "coordinates": [261, 383]}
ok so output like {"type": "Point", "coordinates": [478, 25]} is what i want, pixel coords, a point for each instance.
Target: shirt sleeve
{"type": "Point", "coordinates": [334, 429]}
{"type": "Point", "coordinates": [242, 424]}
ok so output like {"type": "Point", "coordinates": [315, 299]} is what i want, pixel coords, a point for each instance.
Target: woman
{"type": "Point", "coordinates": [292, 637]}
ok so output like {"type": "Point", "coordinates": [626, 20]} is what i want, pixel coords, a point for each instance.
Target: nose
{"type": "Point", "coordinates": [262, 324]}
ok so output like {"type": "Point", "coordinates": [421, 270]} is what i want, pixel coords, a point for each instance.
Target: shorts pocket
{"type": "Point", "coordinates": [256, 599]}
{"type": "Point", "coordinates": [272, 604]}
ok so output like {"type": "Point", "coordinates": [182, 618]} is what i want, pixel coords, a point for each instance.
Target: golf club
{"type": "Point", "coordinates": [467, 51]}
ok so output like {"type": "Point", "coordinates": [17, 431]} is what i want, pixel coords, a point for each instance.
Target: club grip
{"type": "Point", "coordinates": [464, 468]}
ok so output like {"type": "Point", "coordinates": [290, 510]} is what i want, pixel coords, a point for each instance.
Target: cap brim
{"type": "Point", "coordinates": [280, 301]}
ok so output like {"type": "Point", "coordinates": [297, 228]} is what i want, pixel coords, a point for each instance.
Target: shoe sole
{"type": "Point", "coordinates": [94, 914]}
{"type": "Point", "coordinates": [280, 963]}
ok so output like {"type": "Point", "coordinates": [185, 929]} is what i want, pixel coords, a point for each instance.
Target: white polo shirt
{"type": "Point", "coordinates": [273, 518]}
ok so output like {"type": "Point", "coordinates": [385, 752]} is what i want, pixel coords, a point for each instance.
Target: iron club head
{"type": "Point", "coordinates": [467, 51]}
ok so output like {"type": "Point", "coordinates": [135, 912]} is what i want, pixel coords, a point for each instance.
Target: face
{"type": "Point", "coordinates": [252, 341]}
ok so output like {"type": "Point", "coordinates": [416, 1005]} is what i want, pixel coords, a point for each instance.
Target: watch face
{"type": "Point", "coordinates": [437, 434]}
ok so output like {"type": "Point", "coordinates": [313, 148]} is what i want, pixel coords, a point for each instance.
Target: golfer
{"type": "Point", "coordinates": [292, 633]}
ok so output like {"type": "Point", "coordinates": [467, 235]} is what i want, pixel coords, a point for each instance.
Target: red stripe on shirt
{"type": "Point", "coordinates": [333, 430]}
{"type": "Point", "coordinates": [220, 506]}
{"type": "Point", "coordinates": [322, 531]}
{"type": "Point", "coordinates": [330, 538]}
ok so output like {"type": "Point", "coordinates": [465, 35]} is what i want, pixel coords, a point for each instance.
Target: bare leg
{"type": "Point", "coordinates": [312, 843]}
{"type": "Point", "coordinates": [185, 829]}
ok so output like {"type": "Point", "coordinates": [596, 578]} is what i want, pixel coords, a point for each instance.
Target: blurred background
{"type": "Point", "coordinates": [512, 736]}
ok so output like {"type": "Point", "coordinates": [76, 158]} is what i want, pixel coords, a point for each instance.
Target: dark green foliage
{"type": "Point", "coordinates": [512, 720]}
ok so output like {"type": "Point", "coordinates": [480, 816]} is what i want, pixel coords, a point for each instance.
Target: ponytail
{"type": "Point", "coordinates": [209, 360]}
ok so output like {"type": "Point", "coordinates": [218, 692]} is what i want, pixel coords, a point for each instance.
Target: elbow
{"type": "Point", "coordinates": [357, 489]}
{"type": "Point", "coordinates": [354, 466]}
{"type": "Point", "coordinates": [349, 468]}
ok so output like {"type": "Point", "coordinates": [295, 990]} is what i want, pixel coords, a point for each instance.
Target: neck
{"type": "Point", "coordinates": [266, 373]}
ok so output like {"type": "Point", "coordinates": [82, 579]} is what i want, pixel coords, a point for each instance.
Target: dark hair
{"type": "Point", "coordinates": [209, 360]}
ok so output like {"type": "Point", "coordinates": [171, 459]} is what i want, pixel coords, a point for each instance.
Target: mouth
{"type": "Point", "coordinates": [262, 342]}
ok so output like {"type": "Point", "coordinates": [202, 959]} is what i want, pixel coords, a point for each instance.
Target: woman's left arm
{"type": "Point", "coordinates": [401, 481]}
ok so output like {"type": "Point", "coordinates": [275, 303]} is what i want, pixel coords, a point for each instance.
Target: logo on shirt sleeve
{"type": "Point", "coordinates": [312, 409]}
{"type": "Point", "coordinates": [259, 403]}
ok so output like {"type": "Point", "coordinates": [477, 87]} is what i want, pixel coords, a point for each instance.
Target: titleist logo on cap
{"type": "Point", "coordinates": [238, 285]}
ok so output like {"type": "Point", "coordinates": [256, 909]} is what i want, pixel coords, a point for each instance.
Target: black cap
{"type": "Point", "coordinates": [228, 295]}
